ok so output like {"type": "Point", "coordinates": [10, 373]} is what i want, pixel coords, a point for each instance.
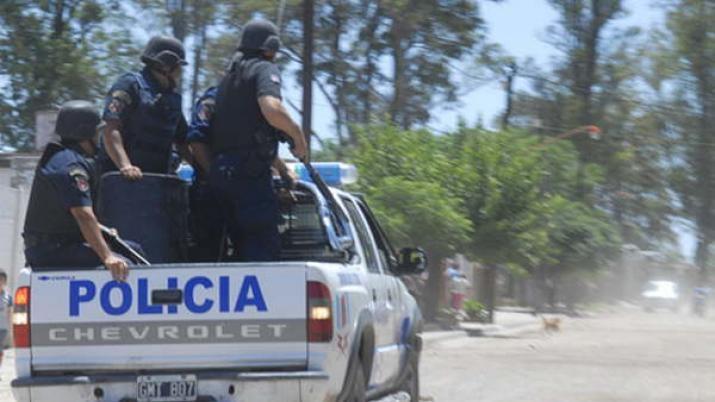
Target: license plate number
{"type": "Point", "coordinates": [167, 388]}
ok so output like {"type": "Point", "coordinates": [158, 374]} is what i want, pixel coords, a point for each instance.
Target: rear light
{"type": "Point", "coordinates": [21, 318]}
{"type": "Point", "coordinates": [320, 314]}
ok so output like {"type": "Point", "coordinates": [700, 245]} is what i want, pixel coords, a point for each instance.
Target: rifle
{"type": "Point", "coordinates": [125, 248]}
{"type": "Point", "coordinates": [322, 187]}
{"type": "Point", "coordinates": [325, 191]}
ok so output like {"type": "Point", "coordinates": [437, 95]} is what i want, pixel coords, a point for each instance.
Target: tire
{"type": "Point", "coordinates": [411, 384]}
{"type": "Point", "coordinates": [358, 387]}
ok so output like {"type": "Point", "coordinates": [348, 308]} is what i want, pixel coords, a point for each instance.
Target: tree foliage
{"type": "Point", "coordinates": [597, 80]}
{"type": "Point", "coordinates": [53, 51]}
{"type": "Point", "coordinates": [501, 198]}
{"type": "Point", "coordinates": [683, 58]}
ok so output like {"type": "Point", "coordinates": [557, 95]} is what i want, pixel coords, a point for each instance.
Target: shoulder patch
{"type": "Point", "coordinates": [206, 109]}
{"type": "Point", "coordinates": [276, 78]}
{"type": "Point", "coordinates": [120, 100]}
{"type": "Point", "coordinates": [80, 179]}
{"type": "Point", "coordinates": [123, 96]}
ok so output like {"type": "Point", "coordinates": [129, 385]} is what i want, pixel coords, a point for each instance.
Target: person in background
{"type": "Point", "coordinates": [5, 312]}
{"type": "Point", "coordinates": [459, 287]}
{"type": "Point", "coordinates": [453, 269]}
{"type": "Point", "coordinates": [458, 284]}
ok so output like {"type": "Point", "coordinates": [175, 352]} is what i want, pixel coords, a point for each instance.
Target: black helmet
{"type": "Point", "coordinates": [77, 120]}
{"type": "Point", "coordinates": [259, 35]}
{"type": "Point", "coordinates": [164, 50]}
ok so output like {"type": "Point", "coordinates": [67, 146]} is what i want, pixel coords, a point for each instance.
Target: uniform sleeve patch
{"type": "Point", "coordinates": [80, 179]}
{"type": "Point", "coordinates": [276, 78]}
{"type": "Point", "coordinates": [120, 100]}
{"type": "Point", "coordinates": [206, 109]}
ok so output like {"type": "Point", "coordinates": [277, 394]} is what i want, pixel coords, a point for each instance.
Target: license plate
{"type": "Point", "coordinates": [167, 388]}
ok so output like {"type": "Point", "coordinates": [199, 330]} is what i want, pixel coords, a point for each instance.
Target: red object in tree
{"type": "Point", "coordinates": [593, 131]}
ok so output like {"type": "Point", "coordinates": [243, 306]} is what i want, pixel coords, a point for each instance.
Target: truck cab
{"type": "Point", "coordinates": [329, 321]}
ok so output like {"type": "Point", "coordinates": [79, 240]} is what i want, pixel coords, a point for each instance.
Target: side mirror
{"type": "Point", "coordinates": [412, 260]}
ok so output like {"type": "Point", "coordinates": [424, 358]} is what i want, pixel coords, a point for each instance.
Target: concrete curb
{"type": "Point", "coordinates": [430, 338]}
{"type": "Point", "coordinates": [511, 332]}
{"type": "Point", "coordinates": [485, 331]}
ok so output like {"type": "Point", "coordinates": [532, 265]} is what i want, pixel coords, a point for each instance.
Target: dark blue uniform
{"type": "Point", "coordinates": [201, 117]}
{"type": "Point", "coordinates": [244, 146]}
{"type": "Point", "coordinates": [206, 222]}
{"type": "Point", "coordinates": [151, 121]}
{"type": "Point", "coordinates": [64, 179]}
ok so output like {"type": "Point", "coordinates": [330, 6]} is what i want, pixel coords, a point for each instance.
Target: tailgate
{"type": "Point", "coordinates": [169, 317]}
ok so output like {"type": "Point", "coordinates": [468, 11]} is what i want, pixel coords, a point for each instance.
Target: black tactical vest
{"type": "Point", "coordinates": [152, 127]}
{"type": "Point", "coordinates": [149, 130]}
{"type": "Point", "coordinates": [46, 214]}
{"type": "Point", "coordinates": [238, 124]}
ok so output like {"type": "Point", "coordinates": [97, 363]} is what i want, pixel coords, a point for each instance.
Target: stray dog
{"type": "Point", "coordinates": [551, 324]}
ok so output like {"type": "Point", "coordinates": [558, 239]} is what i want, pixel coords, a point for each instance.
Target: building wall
{"type": "Point", "coordinates": [15, 180]}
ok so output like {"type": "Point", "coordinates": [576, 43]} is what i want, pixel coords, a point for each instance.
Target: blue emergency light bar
{"type": "Point", "coordinates": [335, 174]}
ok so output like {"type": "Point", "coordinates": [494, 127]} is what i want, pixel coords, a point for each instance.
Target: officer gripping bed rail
{"type": "Point", "coordinates": [143, 114]}
{"type": "Point", "coordinates": [61, 228]}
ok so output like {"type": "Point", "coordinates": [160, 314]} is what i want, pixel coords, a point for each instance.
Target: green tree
{"type": "Point", "coordinates": [423, 38]}
{"type": "Point", "coordinates": [686, 59]}
{"type": "Point", "coordinates": [501, 198]}
{"type": "Point", "coordinates": [52, 51]}
{"type": "Point", "coordinates": [423, 41]}
{"type": "Point", "coordinates": [512, 187]}
{"type": "Point", "coordinates": [403, 176]}
{"type": "Point", "coordinates": [598, 80]}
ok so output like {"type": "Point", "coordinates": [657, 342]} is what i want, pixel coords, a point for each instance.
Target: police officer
{"type": "Point", "coordinates": [243, 143]}
{"type": "Point", "coordinates": [61, 229]}
{"type": "Point", "coordinates": [206, 221]}
{"type": "Point", "coordinates": [143, 113]}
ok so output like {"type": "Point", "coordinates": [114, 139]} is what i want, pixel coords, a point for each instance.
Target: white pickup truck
{"type": "Point", "coordinates": [331, 321]}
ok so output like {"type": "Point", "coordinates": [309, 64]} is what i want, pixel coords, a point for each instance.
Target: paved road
{"type": "Point", "coordinates": [6, 374]}
{"type": "Point", "coordinates": [628, 357]}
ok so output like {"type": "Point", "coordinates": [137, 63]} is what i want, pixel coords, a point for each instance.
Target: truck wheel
{"type": "Point", "coordinates": [358, 388]}
{"type": "Point", "coordinates": [411, 384]}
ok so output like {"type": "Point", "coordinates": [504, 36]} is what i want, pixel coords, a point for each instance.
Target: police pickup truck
{"type": "Point", "coordinates": [331, 321]}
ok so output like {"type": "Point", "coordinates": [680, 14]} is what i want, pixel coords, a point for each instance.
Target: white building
{"type": "Point", "coordinates": [16, 172]}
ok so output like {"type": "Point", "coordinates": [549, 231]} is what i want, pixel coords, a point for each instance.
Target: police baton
{"type": "Point", "coordinates": [123, 246]}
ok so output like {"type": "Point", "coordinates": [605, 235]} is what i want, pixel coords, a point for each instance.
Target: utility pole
{"type": "Point", "coordinates": [308, 16]}
{"type": "Point", "coordinates": [510, 72]}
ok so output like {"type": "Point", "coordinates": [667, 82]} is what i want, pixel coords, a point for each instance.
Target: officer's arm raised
{"type": "Point", "coordinates": [278, 117]}
{"type": "Point", "coordinates": [89, 226]}
{"type": "Point", "coordinates": [114, 144]}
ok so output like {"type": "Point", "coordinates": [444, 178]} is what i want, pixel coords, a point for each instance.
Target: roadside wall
{"type": "Point", "coordinates": [15, 180]}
